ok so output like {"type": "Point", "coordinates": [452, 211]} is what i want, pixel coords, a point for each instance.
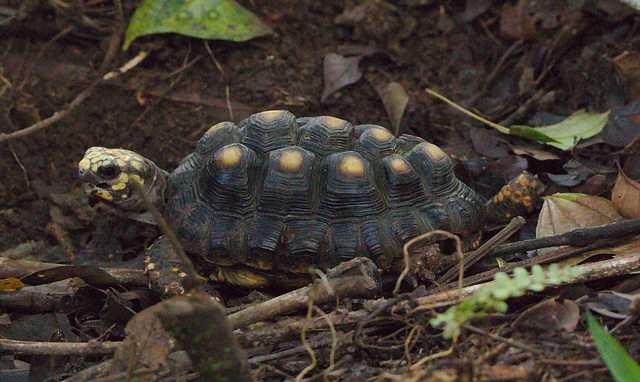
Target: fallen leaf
{"type": "Point", "coordinates": [577, 126]}
{"type": "Point", "coordinates": [535, 153]}
{"type": "Point", "coordinates": [526, 18]}
{"type": "Point", "coordinates": [626, 196]}
{"type": "Point", "coordinates": [207, 19]}
{"type": "Point", "coordinates": [91, 275]}
{"type": "Point", "coordinates": [563, 212]}
{"type": "Point", "coordinates": [146, 343]}
{"type": "Point", "coordinates": [549, 316]}
{"type": "Point", "coordinates": [395, 101]}
{"type": "Point", "coordinates": [628, 65]}
{"type": "Point", "coordinates": [623, 125]}
{"type": "Point", "coordinates": [10, 284]}
{"type": "Point", "coordinates": [339, 71]}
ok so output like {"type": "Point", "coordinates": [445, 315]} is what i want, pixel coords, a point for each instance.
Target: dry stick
{"type": "Point", "coordinates": [589, 272]}
{"type": "Point", "coordinates": [349, 279]}
{"type": "Point", "coordinates": [524, 108]}
{"type": "Point", "coordinates": [21, 268]}
{"type": "Point", "coordinates": [514, 226]}
{"type": "Point", "coordinates": [91, 348]}
{"type": "Point", "coordinates": [553, 256]}
{"type": "Point", "coordinates": [426, 236]}
{"type": "Point", "coordinates": [579, 237]}
{"type": "Point", "coordinates": [224, 76]}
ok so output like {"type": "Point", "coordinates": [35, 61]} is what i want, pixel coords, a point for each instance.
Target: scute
{"type": "Point", "coordinates": [273, 193]}
{"type": "Point", "coordinates": [269, 130]}
{"type": "Point", "coordinates": [285, 191]}
{"type": "Point", "coordinates": [325, 135]}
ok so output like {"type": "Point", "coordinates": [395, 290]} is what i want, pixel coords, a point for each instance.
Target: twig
{"type": "Point", "coordinates": [91, 348]}
{"type": "Point", "coordinates": [425, 236]}
{"type": "Point", "coordinates": [578, 237]}
{"type": "Point", "coordinates": [22, 268]}
{"type": "Point", "coordinates": [349, 279]}
{"type": "Point", "coordinates": [501, 129]}
{"type": "Point", "coordinates": [514, 226]}
{"type": "Point", "coordinates": [524, 108]}
{"type": "Point", "coordinates": [224, 76]}
{"type": "Point", "coordinates": [589, 272]}
{"type": "Point", "coordinates": [515, 47]}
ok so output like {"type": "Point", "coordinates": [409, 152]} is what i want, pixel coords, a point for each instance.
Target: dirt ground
{"type": "Point", "coordinates": [161, 107]}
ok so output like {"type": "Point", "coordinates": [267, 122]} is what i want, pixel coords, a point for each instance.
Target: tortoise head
{"type": "Point", "coordinates": [107, 176]}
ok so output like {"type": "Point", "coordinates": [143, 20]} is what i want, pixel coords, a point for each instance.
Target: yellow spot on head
{"type": "Point", "coordinates": [94, 167]}
{"type": "Point", "coordinates": [433, 151]}
{"type": "Point", "coordinates": [333, 122]}
{"type": "Point", "coordinates": [380, 134]}
{"type": "Point", "coordinates": [120, 162]}
{"type": "Point", "coordinates": [270, 115]}
{"type": "Point", "coordinates": [135, 164]}
{"type": "Point", "coordinates": [124, 178]}
{"type": "Point", "coordinates": [119, 186]}
{"type": "Point", "coordinates": [84, 163]}
{"type": "Point", "coordinates": [399, 165]}
{"type": "Point", "coordinates": [229, 156]}
{"type": "Point", "coordinates": [104, 195]}
{"type": "Point", "coordinates": [93, 154]}
{"type": "Point", "coordinates": [137, 178]}
{"type": "Point", "coordinates": [351, 165]}
{"type": "Point", "coordinates": [290, 161]}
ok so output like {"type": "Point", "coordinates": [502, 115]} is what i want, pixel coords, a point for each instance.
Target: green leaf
{"type": "Point", "coordinates": [579, 125]}
{"type": "Point", "coordinates": [530, 133]}
{"type": "Point", "coordinates": [207, 19]}
{"type": "Point", "coordinates": [620, 364]}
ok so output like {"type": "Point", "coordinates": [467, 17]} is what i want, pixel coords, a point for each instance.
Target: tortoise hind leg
{"type": "Point", "coordinates": [165, 271]}
{"type": "Point", "coordinates": [518, 197]}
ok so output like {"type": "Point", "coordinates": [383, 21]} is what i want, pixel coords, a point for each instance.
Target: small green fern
{"type": "Point", "coordinates": [491, 298]}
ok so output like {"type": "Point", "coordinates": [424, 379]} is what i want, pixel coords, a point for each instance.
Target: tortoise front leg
{"type": "Point", "coordinates": [165, 271]}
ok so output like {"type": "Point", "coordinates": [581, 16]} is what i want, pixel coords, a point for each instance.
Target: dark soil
{"type": "Point", "coordinates": [161, 107]}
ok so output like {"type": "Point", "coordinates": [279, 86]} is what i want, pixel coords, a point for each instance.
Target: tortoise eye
{"type": "Point", "coordinates": [108, 172]}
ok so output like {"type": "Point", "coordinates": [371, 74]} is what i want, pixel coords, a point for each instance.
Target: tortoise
{"type": "Point", "coordinates": [261, 201]}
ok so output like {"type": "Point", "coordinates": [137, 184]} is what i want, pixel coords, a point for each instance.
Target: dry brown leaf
{"type": "Point", "coordinates": [626, 196]}
{"type": "Point", "coordinates": [549, 316]}
{"type": "Point", "coordinates": [395, 100]}
{"type": "Point", "coordinates": [563, 212]}
{"type": "Point", "coordinates": [147, 343]}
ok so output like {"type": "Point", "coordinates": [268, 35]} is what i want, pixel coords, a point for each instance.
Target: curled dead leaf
{"type": "Point", "coordinates": [626, 196]}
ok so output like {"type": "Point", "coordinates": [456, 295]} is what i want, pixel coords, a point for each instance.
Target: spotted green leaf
{"type": "Point", "coordinates": [206, 19]}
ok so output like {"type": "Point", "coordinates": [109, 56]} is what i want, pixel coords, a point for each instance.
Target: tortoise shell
{"type": "Point", "coordinates": [277, 193]}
